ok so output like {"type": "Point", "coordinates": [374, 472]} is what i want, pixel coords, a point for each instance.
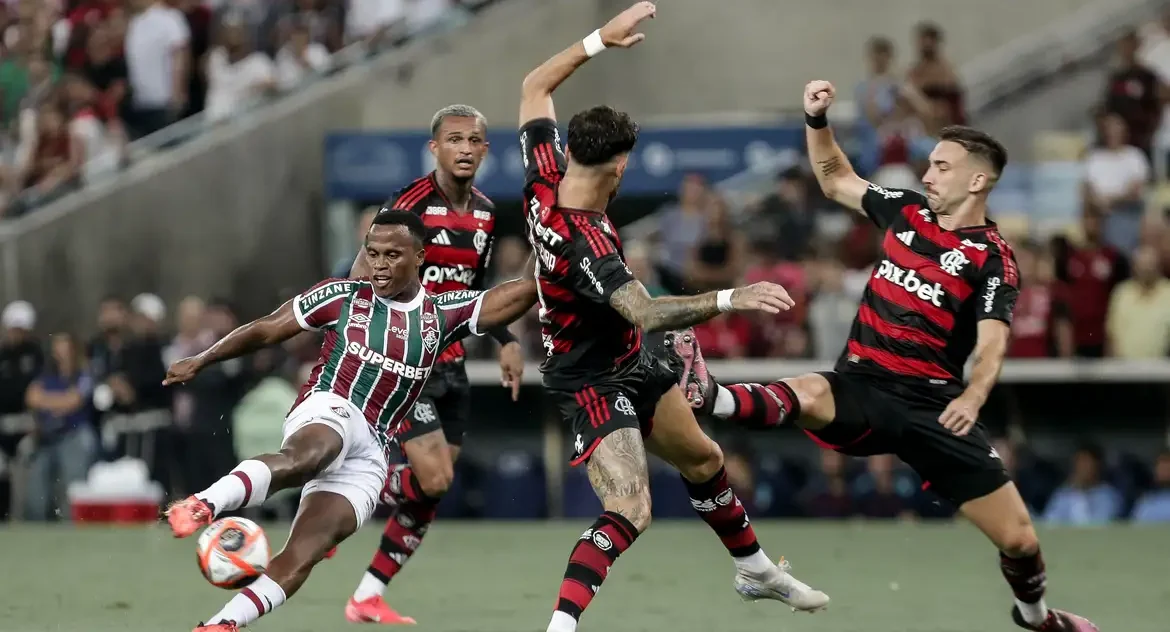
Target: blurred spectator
{"type": "Point", "coordinates": [1134, 92]}
{"type": "Point", "coordinates": [321, 21]}
{"type": "Point", "coordinates": [105, 68]}
{"type": "Point", "coordinates": [831, 311]}
{"type": "Point", "coordinates": [827, 495]}
{"type": "Point", "coordinates": [785, 222]}
{"type": "Point", "coordinates": [904, 142]}
{"type": "Point", "coordinates": [1138, 323]}
{"type": "Point", "coordinates": [342, 267]}
{"type": "Point", "coordinates": [1042, 326]}
{"type": "Point", "coordinates": [86, 17]}
{"type": "Point", "coordinates": [22, 69]}
{"type": "Point", "coordinates": [192, 338]}
{"type": "Point", "coordinates": [642, 267]}
{"type": "Point", "coordinates": [51, 162]}
{"type": "Point", "coordinates": [883, 491]}
{"type": "Point", "coordinates": [215, 392]}
{"type": "Point", "coordinates": [199, 24]}
{"type": "Point", "coordinates": [21, 357]}
{"type": "Point", "coordinates": [148, 315]}
{"type": "Point", "coordinates": [129, 368]}
{"type": "Point", "coordinates": [375, 22]}
{"type": "Point", "coordinates": [300, 57]}
{"type": "Point", "coordinates": [935, 77]}
{"type": "Point", "coordinates": [782, 335]}
{"type": "Point", "coordinates": [681, 226]}
{"type": "Point", "coordinates": [717, 259]}
{"type": "Point", "coordinates": [875, 96]}
{"type": "Point", "coordinates": [1091, 271]}
{"type": "Point", "coordinates": [1154, 505]}
{"type": "Point", "coordinates": [98, 145]}
{"type": "Point", "coordinates": [1085, 499]}
{"type": "Point", "coordinates": [237, 74]}
{"type": "Point", "coordinates": [1116, 176]}
{"type": "Point", "coordinates": [725, 337]}
{"type": "Point", "coordinates": [158, 59]}
{"type": "Point", "coordinates": [64, 442]}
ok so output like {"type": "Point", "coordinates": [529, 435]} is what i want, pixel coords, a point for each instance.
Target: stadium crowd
{"type": "Point", "coordinates": [80, 79]}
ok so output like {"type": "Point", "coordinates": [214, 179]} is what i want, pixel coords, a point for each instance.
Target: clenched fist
{"type": "Point", "coordinates": [761, 297]}
{"type": "Point", "coordinates": [620, 31]}
{"type": "Point", "coordinates": [818, 96]}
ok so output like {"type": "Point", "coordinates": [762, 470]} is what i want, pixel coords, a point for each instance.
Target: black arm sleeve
{"type": "Point", "coordinates": [540, 148]}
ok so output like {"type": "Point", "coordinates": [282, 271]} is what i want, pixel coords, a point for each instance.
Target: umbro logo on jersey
{"type": "Point", "coordinates": [906, 237]}
{"type": "Point", "coordinates": [443, 238]}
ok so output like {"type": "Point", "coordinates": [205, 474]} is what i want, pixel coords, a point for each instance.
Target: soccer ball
{"type": "Point", "coordinates": [233, 552]}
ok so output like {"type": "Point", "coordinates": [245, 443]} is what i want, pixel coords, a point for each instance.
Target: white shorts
{"type": "Point", "coordinates": [359, 471]}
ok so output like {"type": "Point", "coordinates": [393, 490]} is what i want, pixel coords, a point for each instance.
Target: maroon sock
{"type": "Point", "coordinates": [589, 563]}
{"type": "Point", "coordinates": [718, 506]}
{"type": "Point", "coordinates": [402, 536]}
{"type": "Point", "coordinates": [1025, 575]}
{"type": "Point", "coordinates": [764, 405]}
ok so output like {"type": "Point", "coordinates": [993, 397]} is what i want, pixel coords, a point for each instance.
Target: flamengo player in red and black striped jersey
{"type": "Point", "coordinates": [943, 290]}
{"type": "Point", "coordinates": [460, 225]}
{"type": "Point", "coordinates": [610, 389]}
{"type": "Point", "coordinates": [383, 335]}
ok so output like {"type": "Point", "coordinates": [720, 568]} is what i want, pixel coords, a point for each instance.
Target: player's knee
{"type": "Point", "coordinates": [306, 456]}
{"type": "Point", "coordinates": [1020, 540]}
{"type": "Point", "coordinates": [634, 507]}
{"type": "Point", "coordinates": [701, 464]}
{"type": "Point", "coordinates": [436, 480]}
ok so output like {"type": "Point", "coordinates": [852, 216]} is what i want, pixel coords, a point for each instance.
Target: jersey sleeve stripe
{"type": "Point", "coordinates": [300, 316]}
{"type": "Point", "coordinates": [413, 195]}
{"type": "Point", "coordinates": [473, 322]}
{"type": "Point", "coordinates": [548, 163]}
{"type": "Point", "coordinates": [1011, 275]}
{"type": "Point", "coordinates": [597, 242]}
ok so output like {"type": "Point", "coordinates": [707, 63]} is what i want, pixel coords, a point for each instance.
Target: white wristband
{"type": "Point", "coordinates": [723, 300]}
{"type": "Point", "coordinates": [593, 43]}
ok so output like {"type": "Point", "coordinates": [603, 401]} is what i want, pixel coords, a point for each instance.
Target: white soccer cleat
{"type": "Point", "coordinates": [776, 583]}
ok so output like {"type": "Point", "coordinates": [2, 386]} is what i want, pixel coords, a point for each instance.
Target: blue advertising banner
{"type": "Point", "coordinates": [369, 166]}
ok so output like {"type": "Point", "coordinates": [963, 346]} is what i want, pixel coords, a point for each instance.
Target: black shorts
{"type": "Point", "coordinates": [599, 404]}
{"type": "Point", "coordinates": [882, 417]}
{"type": "Point", "coordinates": [445, 403]}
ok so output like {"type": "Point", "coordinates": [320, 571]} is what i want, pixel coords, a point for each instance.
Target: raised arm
{"type": "Point", "coordinates": [834, 173]}
{"type": "Point", "coordinates": [506, 303]}
{"type": "Point", "coordinates": [636, 305]}
{"type": "Point", "coordinates": [620, 32]}
{"type": "Point", "coordinates": [274, 328]}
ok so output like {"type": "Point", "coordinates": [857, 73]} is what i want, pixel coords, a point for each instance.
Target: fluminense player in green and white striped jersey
{"type": "Point", "coordinates": [383, 334]}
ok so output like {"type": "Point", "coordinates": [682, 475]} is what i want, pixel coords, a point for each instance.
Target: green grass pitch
{"type": "Point", "coordinates": [503, 577]}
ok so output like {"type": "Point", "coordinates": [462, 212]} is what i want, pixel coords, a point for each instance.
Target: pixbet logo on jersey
{"type": "Point", "coordinates": [439, 274]}
{"type": "Point", "coordinates": [909, 281]}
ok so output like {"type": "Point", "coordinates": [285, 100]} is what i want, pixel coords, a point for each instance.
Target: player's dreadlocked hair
{"type": "Point", "coordinates": [600, 134]}
{"type": "Point", "coordinates": [977, 143]}
{"type": "Point", "coordinates": [412, 222]}
{"type": "Point", "coordinates": [456, 111]}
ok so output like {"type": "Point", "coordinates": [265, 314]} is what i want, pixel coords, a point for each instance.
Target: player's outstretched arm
{"type": "Point", "coordinates": [620, 32]}
{"type": "Point", "coordinates": [272, 329]}
{"type": "Point", "coordinates": [834, 173]}
{"type": "Point", "coordinates": [634, 303]}
{"type": "Point", "coordinates": [506, 303]}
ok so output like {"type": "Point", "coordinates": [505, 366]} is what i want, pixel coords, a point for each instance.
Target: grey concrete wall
{"type": "Point", "coordinates": [700, 56]}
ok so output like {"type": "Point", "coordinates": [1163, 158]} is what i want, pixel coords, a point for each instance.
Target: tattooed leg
{"type": "Point", "coordinates": [620, 478]}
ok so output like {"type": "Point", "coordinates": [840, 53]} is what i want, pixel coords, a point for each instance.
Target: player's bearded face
{"type": "Point", "coordinates": [460, 146]}
{"type": "Point", "coordinates": [394, 259]}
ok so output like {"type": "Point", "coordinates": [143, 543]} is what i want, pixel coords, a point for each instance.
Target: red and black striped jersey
{"type": "Point", "coordinates": [459, 243]}
{"type": "Point", "coordinates": [579, 265]}
{"type": "Point", "coordinates": [931, 286]}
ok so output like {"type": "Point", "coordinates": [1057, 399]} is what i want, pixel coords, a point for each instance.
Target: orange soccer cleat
{"type": "Point", "coordinates": [227, 626]}
{"type": "Point", "coordinates": [374, 610]}
{"type": "Point", "coordinates": [187, 516]}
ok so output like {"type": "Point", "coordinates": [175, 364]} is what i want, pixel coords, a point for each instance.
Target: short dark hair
{"type": "Point", "coordinates": [412, 222]}
{"type": "Point", "coordinates": [977, 143]}
{"type": "Point", "coordinates": [930, 29]}
{"type": "Point", "coordinates": [881, 45]}
{"type": "Point", "coordinates": [1092, 450]}
{"type": "Point", "coordinates": [600, 134]}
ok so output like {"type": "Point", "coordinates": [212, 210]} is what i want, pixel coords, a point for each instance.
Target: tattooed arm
{"type": "Point", "coordinates": [634, 303]}
{"type": "Point", "coordinates": [620, 477]}
{"type": "Point", "coordinates": [834, 173]}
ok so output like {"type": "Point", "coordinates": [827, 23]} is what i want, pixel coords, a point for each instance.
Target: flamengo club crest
{"type": "Point", "coordinates": [953, 262]}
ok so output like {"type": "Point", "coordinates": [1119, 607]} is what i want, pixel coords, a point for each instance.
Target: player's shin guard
{"type": "Point", "coordinates": [589, 564]}
{"type": "Point", "coordinates": [757, 405]}
{"type": "Point", "coordinates": [1027, 578]}
{"type": "Point", "coordinates": [718, 506]}
{"type": "Point", "coordinates": [263, 596]}
{"type": "Point", "coordinates": [245, 486]}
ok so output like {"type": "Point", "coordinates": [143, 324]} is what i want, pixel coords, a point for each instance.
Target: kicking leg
{"type": "Point", "coordinates": [414, 490]}
{"type": "Point", "coordinates": [305, 453]}
{"type": "Point", "coordinates": [1003, 518]}
{"type": "Point", "coordinates": [620, 478]}
{"type": "Point", "coordinates": [323, 520]}
{"type": "Point", "coordinates": [677, 438]}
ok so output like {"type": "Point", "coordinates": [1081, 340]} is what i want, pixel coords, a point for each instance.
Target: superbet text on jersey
{"type": "Point", "coordinates": [917, 319]}
{"type": "Point", "coordinates": [459, 244]}
{"type": "Point", "coordinates": [579, 265]}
